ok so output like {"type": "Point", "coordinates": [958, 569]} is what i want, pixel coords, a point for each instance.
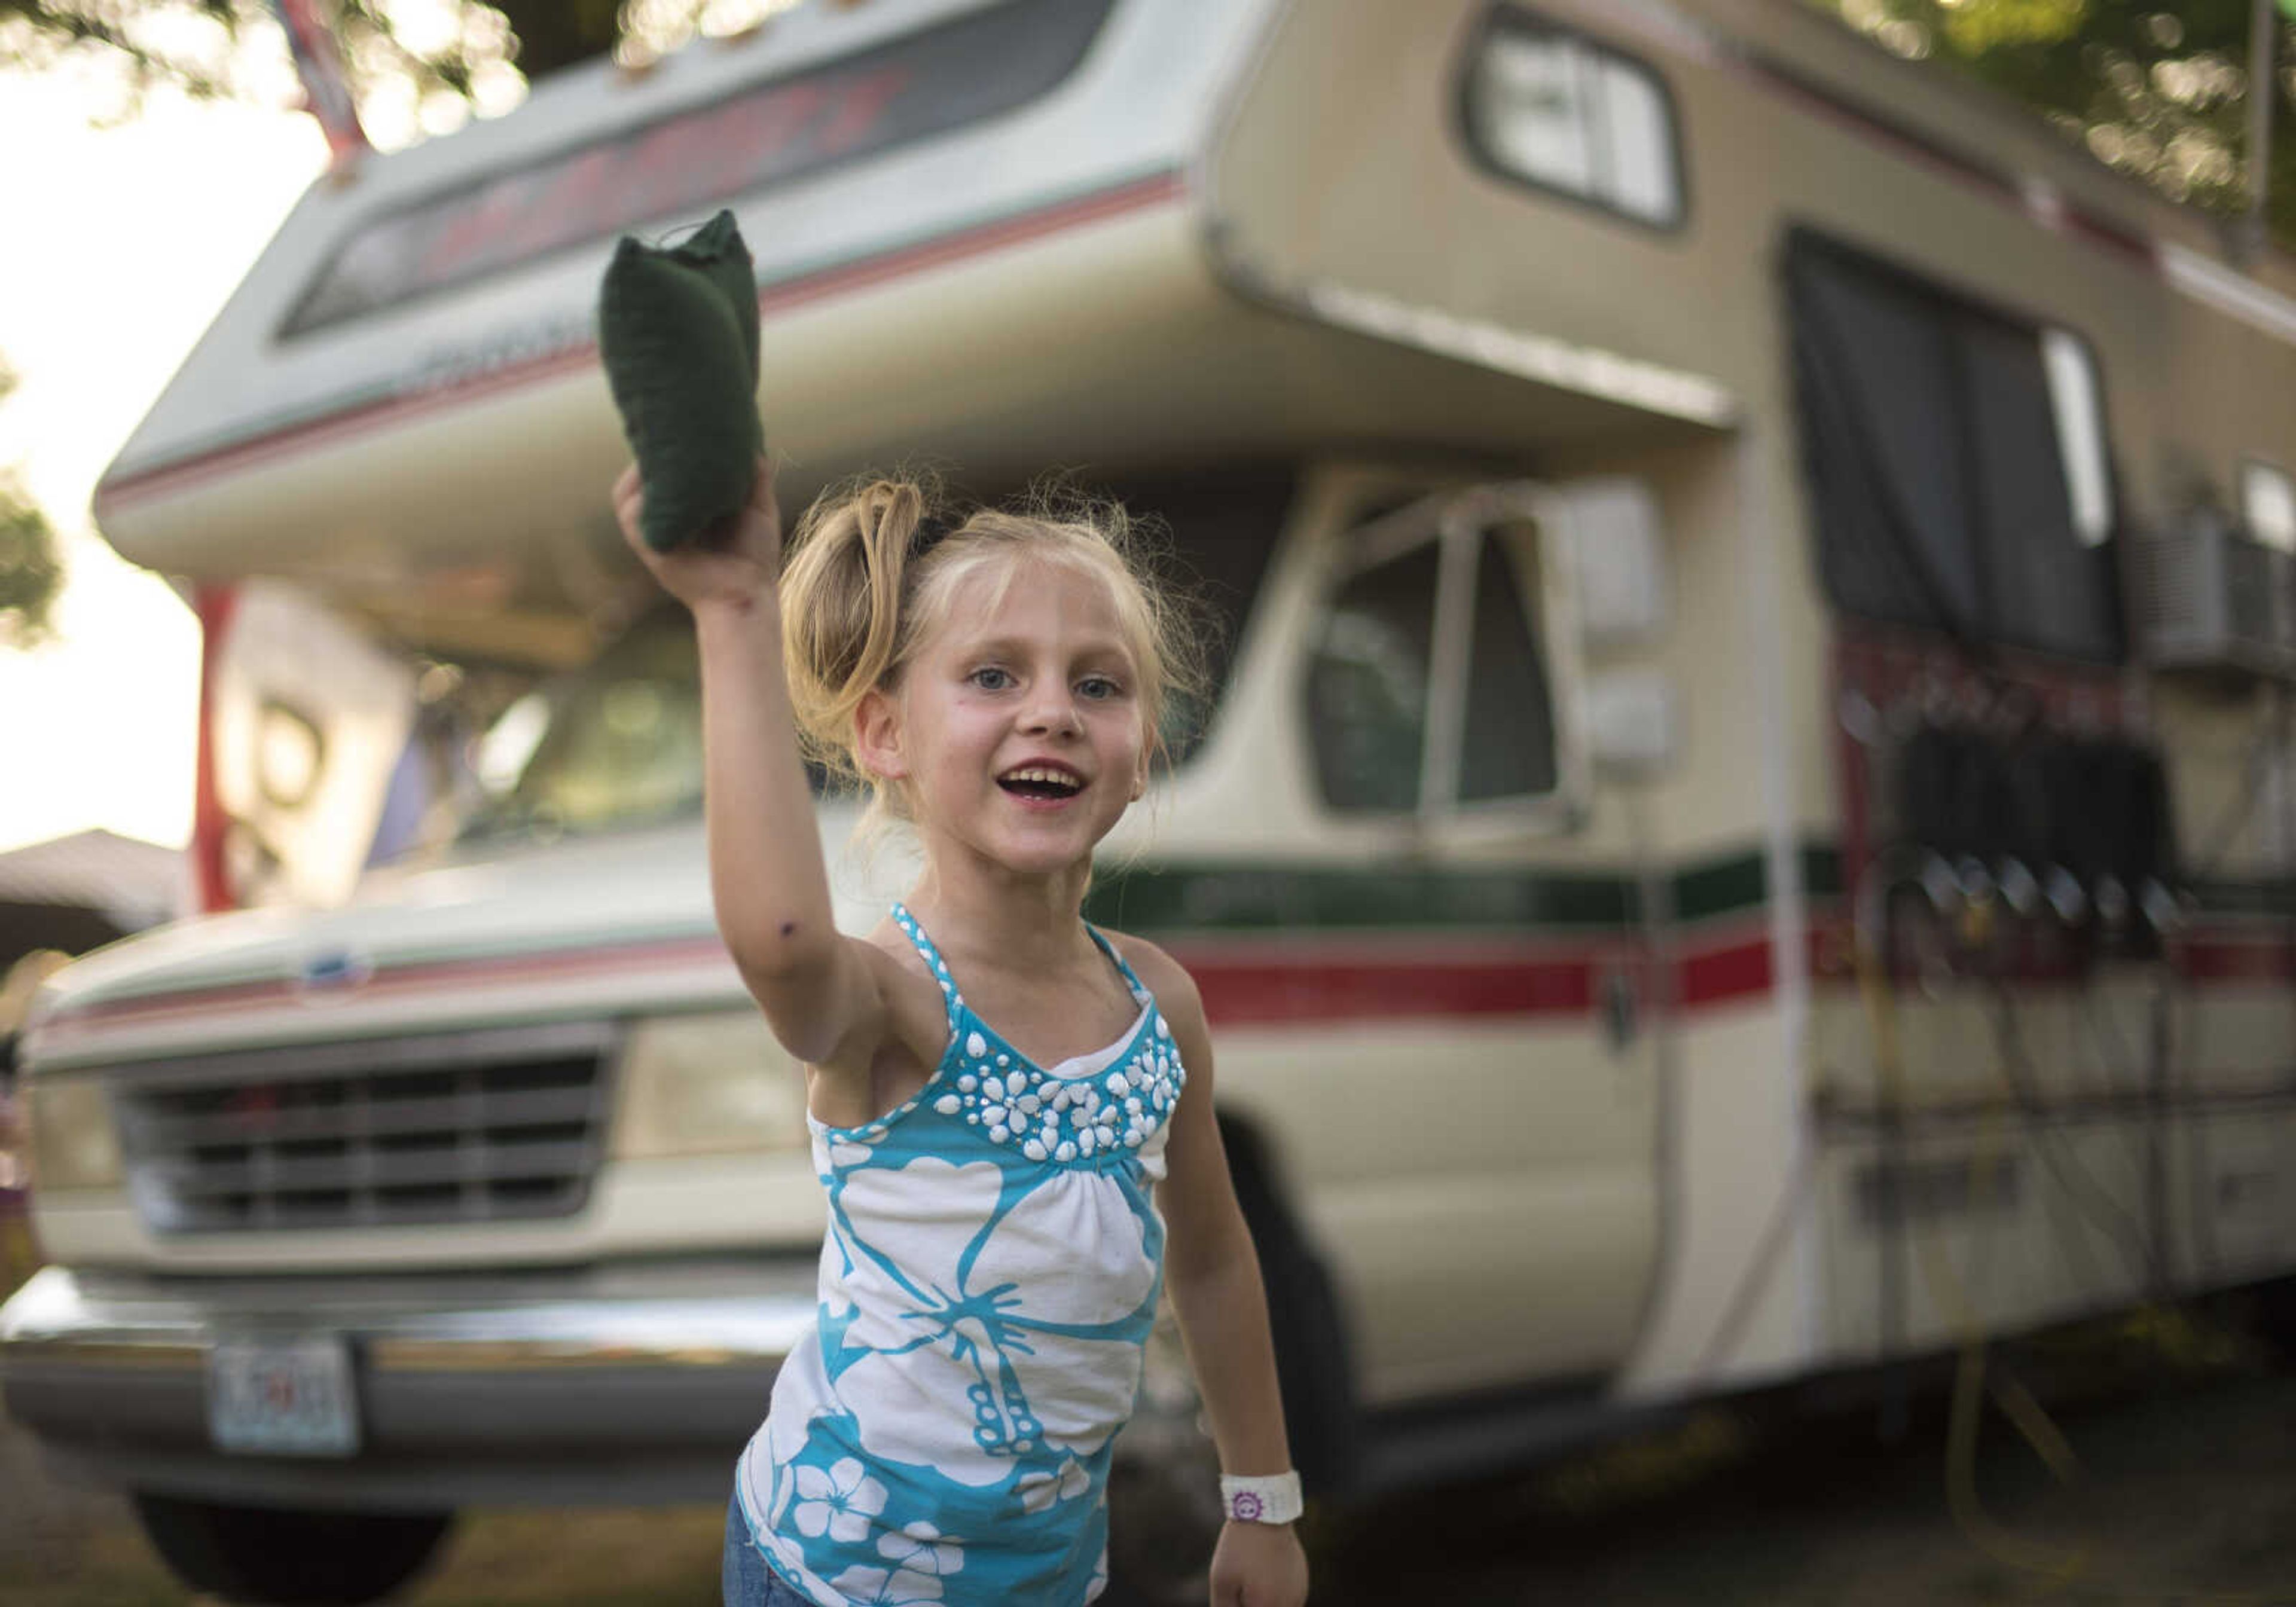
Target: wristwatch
{"type": "Point", "coordinates": [1271, 1499]}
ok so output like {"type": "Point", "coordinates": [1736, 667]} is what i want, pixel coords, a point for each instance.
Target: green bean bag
{"type": "Point", "coordinates": [678, 331]}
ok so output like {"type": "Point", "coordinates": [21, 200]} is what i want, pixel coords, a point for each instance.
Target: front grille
{"type": "Point", "coordinates": [493, 1127]}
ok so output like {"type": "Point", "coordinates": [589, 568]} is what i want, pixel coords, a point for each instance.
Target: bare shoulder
{"type": "Point", "coordinates": [891, 953]}
{"type": "Point", "coordinates": [1177, 994]}
{"type": "Point", "coordinates": [914, 1005]}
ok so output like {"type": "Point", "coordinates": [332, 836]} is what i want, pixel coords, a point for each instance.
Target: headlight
{"type": "Point", "coordinates": [707, 1085]}
{"type": "Point", "coordinates": [73, 1143]}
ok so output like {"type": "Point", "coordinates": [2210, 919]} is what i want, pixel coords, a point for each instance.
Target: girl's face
{"type": "Point", "coordinates": [1017, 727]}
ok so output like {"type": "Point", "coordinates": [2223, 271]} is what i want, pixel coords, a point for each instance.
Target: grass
{"type": "Point", "coordinates": [19, 1254]}
{"type": "Point", "coordinates": [664, 1557]}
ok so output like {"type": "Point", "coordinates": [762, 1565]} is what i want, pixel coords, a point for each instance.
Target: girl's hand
{"type": "Point", "coordinates": [1259, 1565]}
{"type": "Point", "coordinates": [738, 564]}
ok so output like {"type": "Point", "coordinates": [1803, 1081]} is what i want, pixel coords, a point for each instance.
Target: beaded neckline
{"type": "Point", "coordinates": [1090, 1116]}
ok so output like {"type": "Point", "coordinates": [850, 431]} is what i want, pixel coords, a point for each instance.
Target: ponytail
{"type": "Point", "coordinates": [845, 584]}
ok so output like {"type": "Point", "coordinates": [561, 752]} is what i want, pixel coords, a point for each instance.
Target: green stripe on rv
{"type": "Point", "coordinates": [1230, 898]}
{"type": "Point", "coordinates": [2272, 898]}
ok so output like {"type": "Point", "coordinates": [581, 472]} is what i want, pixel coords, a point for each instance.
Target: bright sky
{"type": "Point", "coordinates": [123, 242]}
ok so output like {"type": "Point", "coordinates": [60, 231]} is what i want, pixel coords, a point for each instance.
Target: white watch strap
{"type": "Point", "coordinates": [1271, 1499]}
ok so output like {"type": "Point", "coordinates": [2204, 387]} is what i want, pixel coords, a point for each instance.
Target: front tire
{"type": "Point", "coordinates": [2274, 1308]}
{"type": "Point", "coordinates": [273, 1557]}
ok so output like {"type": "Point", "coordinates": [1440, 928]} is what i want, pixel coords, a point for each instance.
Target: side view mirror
{"type": "Point", "coordinates": [1618, 560]}
{"type": "Point", "coordinates": [1631, 723]}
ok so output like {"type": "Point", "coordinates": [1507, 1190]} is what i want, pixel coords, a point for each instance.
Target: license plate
{"type": "Point", "coordinates": [282, 1397]}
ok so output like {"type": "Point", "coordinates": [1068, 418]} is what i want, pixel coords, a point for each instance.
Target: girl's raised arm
{"type": "Point", "coordinates": [822, 992]}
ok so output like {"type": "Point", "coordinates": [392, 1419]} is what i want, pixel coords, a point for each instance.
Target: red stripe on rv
{"type": "Point", "coordinates": [1304, 985]}
{"type": "Point", "coordinates": [2216, 958]}
{"type": "Point", "coordinates": [433, 977]}
{"type": "Point", "coordinates": [846, 277]}
{"type": "Point", "coordinates": [1281, 989]}
{"type": "Point", "coordinates": [1315, 979]}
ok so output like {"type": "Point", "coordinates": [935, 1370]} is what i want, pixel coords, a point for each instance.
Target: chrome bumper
{"type": "Point", "coordinates": [616, 1386]}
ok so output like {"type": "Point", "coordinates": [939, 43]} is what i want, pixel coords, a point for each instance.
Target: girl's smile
{"type": "Point", "coordinates": [1043, 784]}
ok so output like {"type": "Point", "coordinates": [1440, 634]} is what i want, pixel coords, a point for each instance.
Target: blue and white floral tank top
{"type": "Point", "coordinates": [987, 1282]}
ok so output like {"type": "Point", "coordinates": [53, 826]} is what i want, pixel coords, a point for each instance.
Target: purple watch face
{"type": "Point", "coordinates": [1245, 1507]}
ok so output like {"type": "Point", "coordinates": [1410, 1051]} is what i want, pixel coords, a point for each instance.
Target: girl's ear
{"type": "Point", "coordinates": [877, 736]}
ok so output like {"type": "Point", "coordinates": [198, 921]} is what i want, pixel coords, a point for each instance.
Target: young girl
{"type": "Point", "coordinates": [993, 1087]}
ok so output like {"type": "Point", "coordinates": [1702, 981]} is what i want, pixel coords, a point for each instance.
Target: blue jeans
{"type": "Point", "coordinates": [744, 1578]}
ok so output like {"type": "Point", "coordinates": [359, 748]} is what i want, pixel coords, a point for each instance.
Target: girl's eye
{"type": "Point", "coordinates": [990, 679]}
{"type": "Point", "coordinates": [1099, 686]}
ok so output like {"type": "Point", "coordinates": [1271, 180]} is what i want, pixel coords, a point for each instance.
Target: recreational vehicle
{"type": "Point", "coordinates": [1742, 832]}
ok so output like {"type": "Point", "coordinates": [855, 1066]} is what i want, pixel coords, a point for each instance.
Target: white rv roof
{"type": "Point", "coordinates": [866, 133]}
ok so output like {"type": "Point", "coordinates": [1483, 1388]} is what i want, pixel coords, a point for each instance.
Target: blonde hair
{"type": "Point", "coordinates": [862, 589]}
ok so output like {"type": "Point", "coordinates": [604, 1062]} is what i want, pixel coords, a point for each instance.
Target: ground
{"type": "Point", "coordinates": [2184, 1432]}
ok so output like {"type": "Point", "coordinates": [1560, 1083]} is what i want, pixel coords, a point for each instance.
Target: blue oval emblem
{"type": "Point", "coordinates": [334, 968]}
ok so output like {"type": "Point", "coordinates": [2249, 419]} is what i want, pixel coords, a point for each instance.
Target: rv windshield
{"type": "Point", "coordinates": [617, 742]}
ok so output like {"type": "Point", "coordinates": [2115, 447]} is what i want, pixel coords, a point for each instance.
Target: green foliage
{"type": "Point", "coordinates": [181, 42]}
{"type": "Point", "coordinates": [2159, 91]}
{"type": "Point", "coordinates": [20, 1257]}
{"type": "Point", "coordinates": [191, 44]}
{"type": "Point", "coordinates": [30, 574]}
{"type": "Point", "coordinates": [1975, 29]}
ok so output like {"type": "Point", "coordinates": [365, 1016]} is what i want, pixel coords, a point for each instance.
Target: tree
{"type": "Point", "coordinates": [2155, 90]}
{"type": "Point", "coordinates": [30, 575]}
{"type": "Point", "coordinates": [436, 51]}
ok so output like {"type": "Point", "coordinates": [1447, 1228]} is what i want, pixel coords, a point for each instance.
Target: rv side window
{"type": "Point", "coordinates": [1427, 687]}
{"type": "Point", "coordinates": [1552, 109]}
{"type": "Point", "coordinates": [1957, 463]}
{"type": "Point", "coordinates": [1367, 685]}
{"type": "Point", "coordinates": [1507, 749]}
{"type": "Point", "coordinates": [2267, 503]}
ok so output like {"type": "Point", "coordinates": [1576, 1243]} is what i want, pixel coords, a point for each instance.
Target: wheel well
{"type": "Point", "coordinates": [1309, 1327]}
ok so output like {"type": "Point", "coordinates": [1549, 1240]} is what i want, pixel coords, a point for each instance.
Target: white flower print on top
{"type": "Point", "coordinates": [887, 1586]}
{"type": "Point", "coordinates": [1040, 1490]}
{"type": "Point", "coordinates": [841, 1501]}
{"type": "Point", "coordinates": [963, 1312]}
{"type": "Point", "coordinates": [921, 1548]}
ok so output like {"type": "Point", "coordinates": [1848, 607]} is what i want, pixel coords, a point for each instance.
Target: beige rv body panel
{"type": "Point", "coordinates": [1343, 174]}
